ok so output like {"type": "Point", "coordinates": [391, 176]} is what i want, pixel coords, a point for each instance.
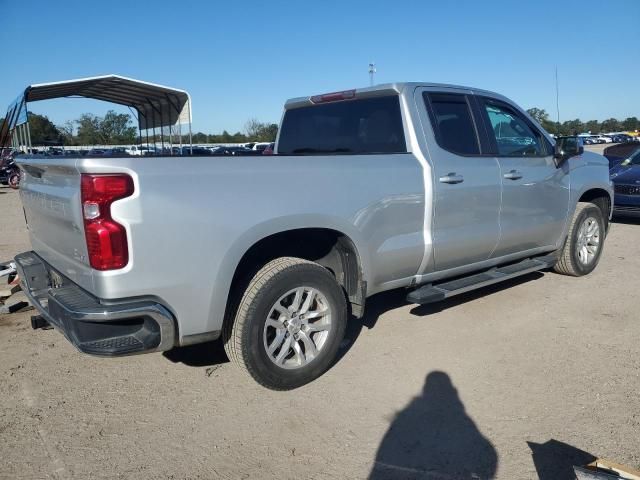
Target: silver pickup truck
{"type": "Point", "coordinates": [437, 189]}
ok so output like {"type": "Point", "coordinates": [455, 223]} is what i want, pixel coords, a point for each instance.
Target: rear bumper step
{"type": "Point", "coordinates": [89, 323]}
{"type": "Point", "coordinates": [436, 293]}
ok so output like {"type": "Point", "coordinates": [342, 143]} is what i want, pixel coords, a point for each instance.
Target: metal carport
{"type": "Point", "coordinates": [156, 106]}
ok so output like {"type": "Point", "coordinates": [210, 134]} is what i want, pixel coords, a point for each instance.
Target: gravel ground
{"type": "Point", "coordinates": [516, 381]}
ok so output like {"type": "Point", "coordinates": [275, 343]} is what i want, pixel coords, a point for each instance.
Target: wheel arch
{"type": "Point", "coordinates": [332, 248]}
{"type": "Point", "coordinates": [602, 199]}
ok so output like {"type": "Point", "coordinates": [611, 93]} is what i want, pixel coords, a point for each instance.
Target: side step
{"type": "Point", "coordinates": [435, 293]}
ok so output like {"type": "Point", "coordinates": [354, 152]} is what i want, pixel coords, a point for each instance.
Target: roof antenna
{"type": "Point", "coordinates": [372, 72]}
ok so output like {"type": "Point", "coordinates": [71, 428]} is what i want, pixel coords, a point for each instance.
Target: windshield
{"type": "Point", "coordinates": [632, 160]}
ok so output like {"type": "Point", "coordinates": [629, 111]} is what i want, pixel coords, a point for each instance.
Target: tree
{"type": "Point", "coordinates": [88, 129]}
{"type": "Point", "coordinates": [252, 128]}
{"type": "Point", "coordinates": [572, 127]}
{"type": "Point", "coordinates": [260, 132]}
{"type": "Point", "coordinates": [117, 129]}
{"type": "Point", "coordinates": [43, 131]}
{"type": "Point", "coordinates": [611, 125]}
{"type": "Point", "coordinates": [540, 115]}
{"type": "Point", "coordinates": [67, 130]}
{"type": "Point", "coordinates": [269, 132]}
{"type": "Point", "coordinates": [592, 126]}
{"type": "Point", "coordinates": [631, 124]}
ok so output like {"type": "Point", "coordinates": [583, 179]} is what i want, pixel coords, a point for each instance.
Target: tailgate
{"type": "Point", "coordinates": [50, 192]}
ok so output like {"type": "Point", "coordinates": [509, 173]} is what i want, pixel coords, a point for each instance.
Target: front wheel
{"type": "Point", "coordinates": [288, 325]}
{"type": "Point", "coordinates": [585, 240]}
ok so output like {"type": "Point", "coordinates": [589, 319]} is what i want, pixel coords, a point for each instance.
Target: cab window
{"type": "Point", "coordinates": [513, 134]}
{"type": "Point", "coordinates": [452, 122]}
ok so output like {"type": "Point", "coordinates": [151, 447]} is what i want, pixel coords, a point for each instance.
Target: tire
{"type": "Point", "coordinates": [266, 323]}
{"type": "Point", "coordinates": [14, 180]}
{"type": "Point", "coordinates": [573, 259]}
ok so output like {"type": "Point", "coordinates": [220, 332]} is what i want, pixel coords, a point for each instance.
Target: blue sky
{"type": "Point", "coordinates": [243, 59]}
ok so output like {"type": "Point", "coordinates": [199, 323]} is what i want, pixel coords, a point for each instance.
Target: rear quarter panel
{"type": "Point", "coordinates": [193, 218]}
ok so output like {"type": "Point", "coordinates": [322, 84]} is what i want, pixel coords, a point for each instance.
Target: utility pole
{"type": "Point", "coordinates": [557, 97]}
{"type": "Point", "coordinates": [372, 71]}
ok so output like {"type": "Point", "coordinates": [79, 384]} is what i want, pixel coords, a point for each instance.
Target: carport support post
{"type": "Point", "coordinates": [28, 133]}
{"type": "Point", "coordinates": [21, 135]}
{"type": "Point", "coordinates": [190, 138]}
{"type": "Point", "coordinates": [161, 129]}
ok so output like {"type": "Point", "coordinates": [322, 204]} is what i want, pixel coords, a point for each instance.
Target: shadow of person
{"type": "Point", "coordinates": [554, 460]}
{"type": "Point", "coordinates": [434, 438]}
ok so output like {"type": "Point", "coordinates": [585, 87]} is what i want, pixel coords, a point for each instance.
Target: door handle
{"type": "Point", "coordinates": [452, 177]}
{"type": "Point", "coordinates": [513, 175]}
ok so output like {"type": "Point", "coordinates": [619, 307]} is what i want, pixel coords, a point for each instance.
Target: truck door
{"type": "Point", "coordinates": [466, 181]}
{"type": "Point", "coordinates": [535, 193]}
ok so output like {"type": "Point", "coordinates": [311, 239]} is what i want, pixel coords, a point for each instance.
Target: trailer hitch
{"type": "Point", "coordinates": [8, 269]}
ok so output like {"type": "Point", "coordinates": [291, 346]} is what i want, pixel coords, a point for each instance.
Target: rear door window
{"type": "Point", "coordinates": [368, 125]}
{"type": "Point", "coordinates": [452, 122]}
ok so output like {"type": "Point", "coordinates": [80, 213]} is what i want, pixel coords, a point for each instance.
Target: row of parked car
{"type": "Point", "coordinates": [608, 138]}
{"type": "Point", "coordinates": [252, 148]}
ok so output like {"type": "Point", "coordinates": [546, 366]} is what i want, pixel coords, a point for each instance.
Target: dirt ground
{"type": "Point", "coordinates": [517, 381]}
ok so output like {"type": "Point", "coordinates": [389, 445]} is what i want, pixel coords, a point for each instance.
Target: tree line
{"type": "Point", "coordinates": [573, 127]}
{"type": "Point", "coordinates": [118, 129]}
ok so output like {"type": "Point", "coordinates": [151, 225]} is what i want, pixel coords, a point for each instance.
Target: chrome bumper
{"type": "Point", "coordinates": [93, 325]}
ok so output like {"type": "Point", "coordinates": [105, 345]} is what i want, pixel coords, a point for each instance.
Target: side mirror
{"type": "Point", "coordinates": [567, 147]}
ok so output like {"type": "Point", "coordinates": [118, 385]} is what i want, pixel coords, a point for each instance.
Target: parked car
{"type": "Point", "coordinates": [270, 149]}
{"type": "Point", "coordinates": [116, 152]}
{"type": "Point", "coordinates": [140, 150]}
{"type": "Point", "coordinates": [625, 176]}
{"type": "Point", "coordinates": [398, 189]}
{"type": "Point", "coordinates": [260, 146]}
{"type": "Point", "coordinates": [604, 139]}
{"type": "Point", "coordinates": [196, 151]}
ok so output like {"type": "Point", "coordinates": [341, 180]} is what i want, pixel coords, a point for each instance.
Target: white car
{"type": "Point", "coordinates": [140, 150]}
{"type": "Point", "coordinates": [261, 146]}
{"type": "Point", "coordinates": [604, 139]}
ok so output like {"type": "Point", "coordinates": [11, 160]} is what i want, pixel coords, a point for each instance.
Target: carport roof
{"type": "Point", "coordinates": [157, 105]}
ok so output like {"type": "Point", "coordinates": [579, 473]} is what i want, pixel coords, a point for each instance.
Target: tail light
{"type": "Point", "coordinates": [334, 96]}
{"type": "Point", "coordinates": [106, 238]}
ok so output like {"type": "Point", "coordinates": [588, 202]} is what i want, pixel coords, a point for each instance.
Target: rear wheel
{"type": "Point", "coordinates": [288, 325]}
{"type": "Point", "coordinates": [14, 180]}
{"type": "Point", "coordinates": [585, 239]}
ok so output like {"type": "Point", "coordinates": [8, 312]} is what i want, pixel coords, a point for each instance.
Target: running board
{"type": "Point", "coordinates": [435, 293]}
